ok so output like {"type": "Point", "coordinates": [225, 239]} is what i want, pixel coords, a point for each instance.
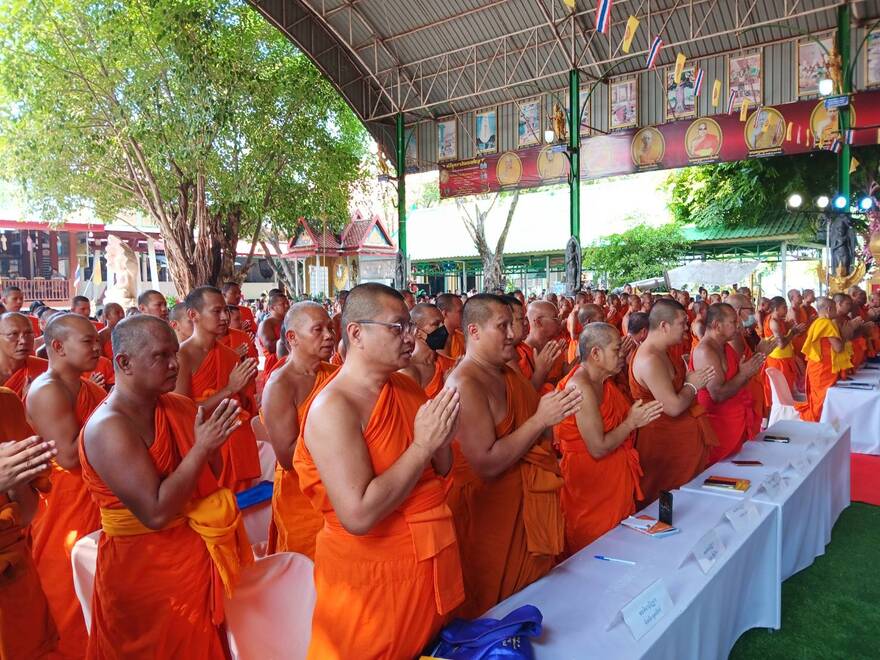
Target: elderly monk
{"type": "Point", "coordinates": [58, 405]}
{"type": "Point", "coordinates": [309, 333]}
{"type": "Point", "coordinates": [848, 310]}
{"type": "Point", "coordinates": [450, 305]}
{"type": "Point", "coordinates": [600, 466]}
{"type": "Point", "coordinates": [236, 338]}
{"type": "Point", "coordinates": [542, 353]}
{"type": "Point", "coordinates": [586, 313]}
{"type": "Point", "coordinates": [150, 462]}
{"type": "Point", "coordinates": [506, 481]}
{"type": "Point", "coordinates": [726, 397]}
{"type": "Point", "coordinates": [674, 448]}
{"type": "Point", "coordinates": [26, 626]}
{"type": "Point", "coordinates": [210, 373]}
{"type": "Point", "coordinates": [698, 325]}
{"type": "Point", "coordinates": [807, 300]}
{"type": "Point", "coordinates": [232, 296]}
{"type": "Point", "coordinates": [797, 314]}
{"type": "Point", "coordinates": [746, 344]}
{"type": "Point", "coordinates": [18, 368]}
{"type": "Point", "coordinates": [634, 304]}
{"type": "Point", "coordinates": [153, 303]}
{"type": "Point", "coordinates": [371, 457]}
{"type": "Point", "coordinates": [269, 331]}
{"type": "Point", "coordinates": [180, 322]}
{"type": "Point", "coordinates": [827, 359]}
{"type": "Point", "coordinates": [850, 328]}
{"type": "Point", "coordinates": [13, 299]}
{"type": "Point", "coordinates": [113, 314]}
{"type": "Point", "coordinates": [782, 357]}
{"type": "Point", "coordinates": [427, 366]}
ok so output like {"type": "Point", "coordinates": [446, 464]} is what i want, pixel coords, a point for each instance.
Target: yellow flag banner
{"type": "Point", "coordinates": [744, 110]}
{"type": "Point", "coordinates": [679, 67]}
{"type": "Point", "coordinates": [788, 131]}
{"type": "Point", "coordinates": [716, 93]}
{"type": "Point", "coordinates": [632, 24]}
{"type": "Point", "coordinates": [853, 165]}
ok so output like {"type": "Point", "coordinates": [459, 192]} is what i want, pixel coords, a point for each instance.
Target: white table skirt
{"type": "Point", "coordinates": [809, 504]}
{"type": "Point", "coordinates": [581, 597]}
{"type": "Point", "coordinates": [857, 409]}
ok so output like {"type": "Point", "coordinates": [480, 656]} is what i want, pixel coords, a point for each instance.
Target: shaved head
{"type": "Point", "coordinates": [590, 313]}
{"type": "Point", "coordinates": [541, 308]}
{"type": "Point", "coordinates": [144, 298]}
{"type": "Point", "coordinates": [636, 322]}
{"type": "Point", "coordinates": [63, 325]}
{"type": "Point", "coordinates": [718, 313]}
{"type": "Point", "coordinates": [365, 302]}
{"type": "Point", "coordinates": [825, 304]}
{"type": "Point", "coordinates": [595, 334]}
{"type": "Point", "coordinates": [136, 333]}
{"type": "Point", "coordinates": [447, 302]}
{"type": "Point", "coordinates": [301, 313]}
{"type": "Point", "coordinates": [737, 301]}
{"type": "Point", "coordinates": [196, 298]}
{"type": "Point", "coordinates": [479, 309]}
{"type": "Point", "coordinates": [177, 313]}
{"type": "Point", "coordinates": [424, 313]}
{"type": "Point", "coordinates": [664, 310]}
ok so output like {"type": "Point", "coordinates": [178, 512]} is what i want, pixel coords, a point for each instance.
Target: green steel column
{"type": "Point", "coordinates": [401, 185]}
{"type": "Point", "coordinates": [574, 179]}
{"type": "Point", "coordinates": [843, 46]}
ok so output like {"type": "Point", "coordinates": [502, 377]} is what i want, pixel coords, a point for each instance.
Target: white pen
{"type": "Point", "coordinates": [619, 561]}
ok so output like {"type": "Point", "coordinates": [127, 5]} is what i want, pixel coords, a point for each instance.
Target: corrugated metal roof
{"type": "Point", "coordinates": [777, 226]}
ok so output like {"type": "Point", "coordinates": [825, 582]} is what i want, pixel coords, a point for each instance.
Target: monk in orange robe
{"type": "Point", "coordinates": [587, 313]}
{"type": "Point", "coordinates": [674, 448]}
{"type": "Point", "coordinates": [232, 295]}
{"type": "Point", "coordinates": [450, 306]}
{"type": "Point", "coordinates": [782, 357]}
{"type": "Point", "coordinates": [698, 325]}
{"type": "Point", "coordinates": [428, 367]}
{"type": "Point", "coordinates": [82, 306]}
{"type": "Point", "coordinates": [172, 542]}
{"type": "Point", "coordinates": [827, 359]}
{"type": "Point", "coordinates": [13, 299]}
{"type": "Point", "coordinates": [371, 457]}
{"type": "Point", "coordinates": [236, 338]}
{"type": "Point", "coordinates": [542, 354]}
{"type": "Point", "coordinates": [211, 372]}
{"type": "Point", "coordinates": [113, 314]}
{"type": "Point", "coordinates": [58, 405]}
{"type": "Point", "coordinates": [797, 315]}
{"type": "Point", "coordinates": [26, 626]}
{"type": "Point", "coordinates": [505, 496]}
{"type": "Point", "coordinates": [726, 397]}
{"type": "Point", "coordinates": [18, 367]}
{"type": "Point", "coordinates": [269, 331]}
{"type": "Point", "coordinates": [807, 300]}
{"type": "Point", "coordinates": [180, 322]}
{"type": "Point", "coordinates": [153, 303]}
{"type": "Point", "coordinates": [600, 466]}
{"type": "Point", "coordinates": [744, 351]}
{"type": "Point", "coordinates": [309, 333]}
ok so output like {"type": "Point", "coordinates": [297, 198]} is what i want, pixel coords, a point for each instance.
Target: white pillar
{"type": "Point", "coordinates": [547, 286]}
{"type": "Point", "coordinates": [783, 254]}
{"type": "Point", "coordinates": [154, 264]}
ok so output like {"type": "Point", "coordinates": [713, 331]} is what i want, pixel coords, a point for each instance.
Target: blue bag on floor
{"type": "Point", "coordinates": [491, 639]}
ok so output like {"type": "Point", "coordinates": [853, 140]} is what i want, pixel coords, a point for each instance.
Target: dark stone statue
{"type": "Point", "coordinates": [842, 242]}
{"type": "Point", "coordinates": [572, 266]}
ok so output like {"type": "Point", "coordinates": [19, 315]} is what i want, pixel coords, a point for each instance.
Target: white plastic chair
{"type": "Point", "coordinates": [783, 401]}
{"type": "Point", "coordinates": [270, 613]}
{"type": "Point", "coordinates": [84, 557]}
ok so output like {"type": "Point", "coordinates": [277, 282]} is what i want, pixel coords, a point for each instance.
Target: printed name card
{"type": "Point", "coordinates": [647, 609]}
{"type": "Point", "coordinates": [772, 485]}
{"type": "Point", "coordinates": [800, 466]}
{"type": "Point", "coordinates": [707, 550]}
{"type": "Point", "coordinates": [742, 516]}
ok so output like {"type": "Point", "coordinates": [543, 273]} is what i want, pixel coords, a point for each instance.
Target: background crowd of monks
{"type": "Point", "coordinates": [433, 458]}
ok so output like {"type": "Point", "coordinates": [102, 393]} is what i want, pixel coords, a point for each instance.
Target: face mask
{"type": "Point", "coordinates": [749, 321]}
{"type": "Point", "coordinates": [437, 339]}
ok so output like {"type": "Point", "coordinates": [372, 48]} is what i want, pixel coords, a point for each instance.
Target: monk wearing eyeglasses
{"type": "Point", "coordinates": [18, 365]}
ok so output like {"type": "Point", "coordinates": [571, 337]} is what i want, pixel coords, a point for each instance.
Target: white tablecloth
{"type": "Point", "coordinates": [808, 504]}
{"type": "Point", "coordinates": [858, 409]}
{"type": "Point", "coordinates": [582, 597]}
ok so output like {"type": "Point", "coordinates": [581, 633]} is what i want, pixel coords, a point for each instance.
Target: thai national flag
{"type": "Point", "coordinates": [603, 16]}
{"type": "Point", "coordinates": [836, 146]}
{"type": "Point", "coordinates": [656, 45]}
{"type": "Point", "coordinates": [849, 136]}
{"type": "Point", "coordinates": [731, 101]}
{"type": "Point", "coordinates": [698, 82]}
{"type": "Point", "coordinates": [77, 276]}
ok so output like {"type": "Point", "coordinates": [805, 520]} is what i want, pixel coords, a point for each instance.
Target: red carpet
{"type": "Point", "coordinates": [865, 478]}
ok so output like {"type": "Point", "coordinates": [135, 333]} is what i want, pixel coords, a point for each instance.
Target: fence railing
{"type": "Point", "coordinates": [40, 289]}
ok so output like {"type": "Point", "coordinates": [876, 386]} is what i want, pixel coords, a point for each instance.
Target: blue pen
{"type": "Point", "coordinates": [619, 561]}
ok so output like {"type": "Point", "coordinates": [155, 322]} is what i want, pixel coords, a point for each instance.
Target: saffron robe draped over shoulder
{"type": "Point", "coordinates": [386, 593]}
{"type": "Point", "coordinates": [158, 594]}
{"type": "Point", "coordinates": [672, 450]}
{"type": "Point", "coordinates": [597, 493]}
{"type": "Point", "coordinates": [824, 367]}
{"type": "Point", "coordinates": [26, 626]}
{"type": "Point", "coordinates": [66, 514]}
{"type": "Point", "coordinates": [235, 338]}
{"type": "Point", "coordinates": [241, 459]}
{"type": "Point", "coordinates": [19, 381]}
{"type": "Point", "coordinates": [456, 344]}
{"type": "Point", "coordinates": [782, 359]}
{"type": "Point", "coordinates": [295, 522]}
{"type": "Point", "coordinates": [511, 528]}
{"type": "Point", "coordinates": [733, 420]}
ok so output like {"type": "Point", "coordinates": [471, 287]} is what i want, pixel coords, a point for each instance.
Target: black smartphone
{"type": "Point", "coordinates": [666, 507]}
{"type": "Point", "coordinates": [776, 438]}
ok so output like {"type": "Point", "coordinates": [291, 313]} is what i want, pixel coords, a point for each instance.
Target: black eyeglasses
{"type": "Point", "coordinates": [408, 328]}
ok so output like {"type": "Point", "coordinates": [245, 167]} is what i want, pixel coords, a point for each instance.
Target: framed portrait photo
{"type": "Point", "coordinates": [486, 133]}
{"type": "Point", "coordinates": [624, 105]}
{"type": "Point", "coordinates": [528, 124]}
{"type": "Point", "coordinates": [447, 140]}
{"type": "Point", "coordinates": [745, 77]}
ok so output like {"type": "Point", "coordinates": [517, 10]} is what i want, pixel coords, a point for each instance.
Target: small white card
{"type": "Point", "coordinates": [647, 609]}
{"type": "Point", "coordinates": [800, 465]}
{"type": "Point", "coordinates": [707, 550]}
{"type": "Point", "coordinates": [772, 485]}
{"type": "Point", "coordinates": [742, 516]}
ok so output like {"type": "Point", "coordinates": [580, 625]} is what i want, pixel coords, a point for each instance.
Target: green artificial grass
{"type": "Point", "coordinates": [832, 608]}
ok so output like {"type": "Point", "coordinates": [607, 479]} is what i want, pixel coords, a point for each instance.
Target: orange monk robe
{"type": "Point", "coordinates": [616, 319]}
{"type": "Point", "coordinates": [63, 517]}
{"type": "Point", "coordinates": [442, 366]}
{"type": "Point", "coordinates": [20, 380]}
{"type": "Point", "coordinates": [107, 349]}
{"type": "Point", "coordinates": [672, 450]}
{"type": "Point", "coordinates": [295, 523]}
{"type": "Point", "coordinates": [597, 493]}
{"type": "Point", "coordinates": [105, 368]}
{"type": "Point", "coordinates": [456, 344]}
{"type": "Point", "coordinates": [26, 626]}
{"type": "Point", "coordinates": [510, 528]}
{"type": "Point", "coordinates": [157, 593]}
{"type": "Point", "coordinates": [247, 315]}
{"type": "Point", "coordinates": [812, 314]}
{"type": "Point", "coordinates": [779, 358]}
{"type": "Point", "coordinates": [859, 351]}
{"type": "Point", "coordinates": [336, 359]}
{"type": "Point", "coordinates": [235, 338]}
{"type": "Point", "coordinates": [756, 387]}
{"type": "Point", "coordinates": [526, 362]}
{"type": "Point", "coordinates": [241, 459]}
{"type": "Point", "coordinates": [824, 367]}
{"type": "Point", "coordinates": [734, 420]}
{"type": "Point", "coordinates": [386, 593]}
{"type": "Point", "coordinates": [801, 316]}
{"type": "Point", "coordinates": [35, 324]}
{"type": "Point", "coordinates": [572, 354]}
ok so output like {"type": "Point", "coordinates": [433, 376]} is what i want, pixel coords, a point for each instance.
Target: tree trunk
{"type": "Point", "coordinates": [493, 260]}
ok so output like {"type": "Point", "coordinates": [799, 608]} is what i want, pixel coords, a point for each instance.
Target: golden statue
{"type": "Point", "coordinates": [559, 123]}
{"type": "Point", "coordinates": [841, 281]}
{"type": "Point", "coordinates": [833, 64]}
{"type": "Point", "coordinates": [384, 170]}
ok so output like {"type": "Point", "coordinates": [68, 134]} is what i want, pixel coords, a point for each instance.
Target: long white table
{"type": "Point", "coordinates": [582, 597]}
{"type": "Point", "coordinates": [858, 409]}
{"type": "Point", "coordinates": [814, 471]}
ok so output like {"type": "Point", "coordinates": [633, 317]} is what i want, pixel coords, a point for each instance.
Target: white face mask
{"type": "Point", "coordinates": [749, 321]}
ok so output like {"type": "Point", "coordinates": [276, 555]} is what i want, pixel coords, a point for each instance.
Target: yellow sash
{"type": "Point", "coordinates": [820, 329]}
{"type": "Point", "coordinates": [215, 518]}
